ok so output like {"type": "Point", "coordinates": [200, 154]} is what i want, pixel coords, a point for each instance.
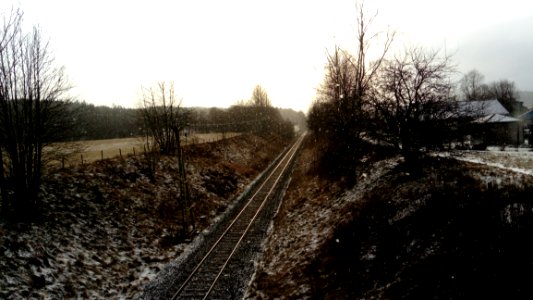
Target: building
{"type": "Point", "coordinates": [527, 119]}
{"type": "Point", "coordinates": [492, 124]}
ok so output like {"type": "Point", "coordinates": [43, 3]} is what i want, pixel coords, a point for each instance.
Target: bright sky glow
{"type": "Point", "coordinates": [217, 51]}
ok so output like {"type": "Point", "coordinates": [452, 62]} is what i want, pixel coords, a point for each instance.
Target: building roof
{"type": "Point", "coordinates": [481, 108]}
{"type": "Point", "coordinates": [496, 118]}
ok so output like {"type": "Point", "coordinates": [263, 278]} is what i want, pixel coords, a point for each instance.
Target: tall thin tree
{"type": "Point", "coordinates": [31, 113]}
{"type": "Point", "coordinates": [164, 120]}
{"type": "Point", "coordinates": [339, 116]}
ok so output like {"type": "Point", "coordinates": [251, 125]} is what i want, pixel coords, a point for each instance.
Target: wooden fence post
{"type": "Point", "coordinates": [102, 154]}
{"type": "Point", "coordinates": [120, 152]}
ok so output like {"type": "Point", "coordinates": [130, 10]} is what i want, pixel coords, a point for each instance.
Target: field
{"type": "Point", "coordinates": [74, 153]}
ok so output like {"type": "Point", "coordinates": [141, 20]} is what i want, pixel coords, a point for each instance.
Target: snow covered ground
{"type": "Point", "coordinates": [514, 160]}
{"type": "Point", "coordinates": [387, 234]}
{"type": "Point", "coordinates": [107, 229]}
{"type": "Point", "coordinates": [305, 223]}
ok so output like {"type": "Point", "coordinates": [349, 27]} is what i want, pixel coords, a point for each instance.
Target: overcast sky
{"type": "Point", "coordinates": [217, 51]}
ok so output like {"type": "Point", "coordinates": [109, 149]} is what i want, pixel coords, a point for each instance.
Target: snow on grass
{"type": "Point", "coordinates": [301, 231]}
{"type": "Point", "coordinates": [314, 209]}
{"type": "Point", "coordinates": [107, 229]}
{"type": "Point", "coordinates": [519, 162]}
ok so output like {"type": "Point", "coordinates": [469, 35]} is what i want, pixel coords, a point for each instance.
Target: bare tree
{"type": "Point", "coordinates": [338, 87]}
{"type": "Point", "coordinates": [339, 117]}
{"type": "Point", "coordinates": [348, 77]}
{"type": "Point", "coordinates": [31, 114]}
{"type": "Point", "coordinates": [473, 88]}
{"type": "Point", "coordinates": [365, 71]}
{"type": "Point", "coordinates": [332, 116]}
{"type": "Point", "coordinates": [163, 117]}
{"type": "Point", "coordinates": [506, 92]}
{"type": "Point", "coordinates": [412, 101]}
{"type": "Point", "coordinates": [260, 97]}
{"type": "Point", "coordinates": [164, 121]}
{"type": "Point", "coordinates": [266, 119]}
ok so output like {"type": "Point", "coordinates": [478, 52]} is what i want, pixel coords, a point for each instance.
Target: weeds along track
{"type": "Point", "coordinates": [225, 266]}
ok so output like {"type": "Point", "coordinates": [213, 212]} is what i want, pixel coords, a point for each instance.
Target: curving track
{"type": "Point", "coordinates": [211, 278]}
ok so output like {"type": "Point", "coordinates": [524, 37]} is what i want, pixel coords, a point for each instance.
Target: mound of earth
{"type": "Point", "coordinates": [107, 228]}
{"type": "Point", "coordinates": [451, 230]}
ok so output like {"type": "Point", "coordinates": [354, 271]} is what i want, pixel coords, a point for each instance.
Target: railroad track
{"type": "Point", "coordinates": [209, 278]}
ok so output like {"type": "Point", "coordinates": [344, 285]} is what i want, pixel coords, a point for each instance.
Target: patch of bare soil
{"type": "Point", "coordinates": [453, 230]}
{"type": "Point", "coordinates": [107, 228]}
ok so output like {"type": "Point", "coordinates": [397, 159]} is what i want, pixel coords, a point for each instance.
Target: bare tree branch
{"type": "Point", "coordinates": [31, 111]}
{"type": "Point", "coordinates": [412, 100]}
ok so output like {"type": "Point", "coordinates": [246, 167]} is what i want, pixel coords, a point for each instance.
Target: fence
{"type": "Point", "coordinates": [65, 154]}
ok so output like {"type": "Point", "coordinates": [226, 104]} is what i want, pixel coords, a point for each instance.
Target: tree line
{"type": "Point", "coordinates": [165, 122]}
{"type": "Point", "coordinates": [255, 115]}
{"type": "Point", "coordinates": [35, 111]}
{"type": "Point", "coordinates": [408, 101]}
{"type": "Point", "coordinates": [91, 122]}
{"type": "Point", "coordinates": [472, 87]}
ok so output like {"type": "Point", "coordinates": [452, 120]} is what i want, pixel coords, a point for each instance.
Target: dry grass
{"type": "Point", "coordinates": [509, 159]}
{"type": "Point", "coordinates": [314, 206]}
{"type": "Point", "coordinates": [74, 153]}
{"type": "Point", "coordinates": [107, 228]}
{"type": "Point", "coordinates": [450, 230]}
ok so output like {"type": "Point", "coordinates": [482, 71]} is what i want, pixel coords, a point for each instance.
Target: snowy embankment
{"type": "Point", "coordinates": [107, 228]}
{"type": "Point", "coordinates": [303, 226]}
{"type": "Point", "coordinates": [165, 283]}
{"type": "Point", "coordinates": [448, 229]}
{"type": "Point", "coordinates": [516, 161]}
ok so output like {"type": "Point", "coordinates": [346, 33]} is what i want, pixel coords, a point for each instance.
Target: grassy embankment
{"type": "Point", "coordinates": [453, 229]}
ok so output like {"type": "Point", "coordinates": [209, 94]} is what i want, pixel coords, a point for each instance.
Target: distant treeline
{"type": "Point", "coordinates": [90, 122]}
{"type": "Point", "coordinates": [242, 118]}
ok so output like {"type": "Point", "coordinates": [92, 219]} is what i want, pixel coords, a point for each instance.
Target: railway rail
{"type": "Point", "coordinates": [212, 275]}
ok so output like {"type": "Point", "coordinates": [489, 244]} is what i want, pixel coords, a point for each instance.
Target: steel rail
{"type": "Point", "coordinates": [286, 159]}
{"type": "Point", "coordinates": [274, 185]}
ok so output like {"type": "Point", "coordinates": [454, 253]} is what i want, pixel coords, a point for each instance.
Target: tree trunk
{"type": "Point", "coordinates": [3, 185]}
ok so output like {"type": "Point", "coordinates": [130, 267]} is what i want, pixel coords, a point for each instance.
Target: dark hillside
{"type": "Point", "coordinates": [454, 230]}
{"type": "Point", "coordinates": [445, 234]}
